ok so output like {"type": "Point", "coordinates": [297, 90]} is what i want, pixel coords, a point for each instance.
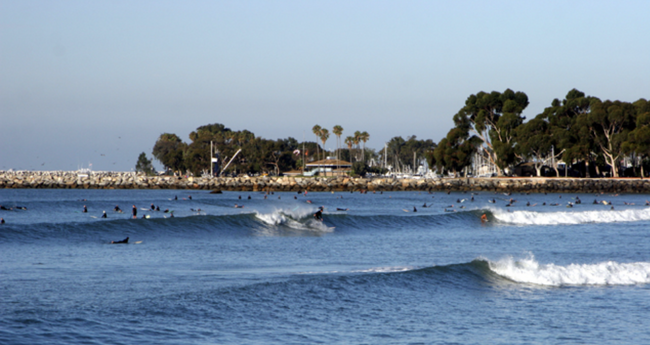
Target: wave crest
{"type": "Point", "coordinates": [605, 273]}
{"type": "Point", "coordinates": [556, 218]}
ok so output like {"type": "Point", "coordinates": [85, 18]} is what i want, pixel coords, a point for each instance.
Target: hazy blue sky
{"type": "Point", "coordinates": [98, 81]}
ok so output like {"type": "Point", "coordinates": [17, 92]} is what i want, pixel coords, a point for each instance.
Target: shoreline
{"type": "Point", "coordinates": [130, 180]}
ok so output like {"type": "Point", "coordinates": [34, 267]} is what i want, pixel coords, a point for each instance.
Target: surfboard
{"type": "Point", "coordinates": [405, 210]}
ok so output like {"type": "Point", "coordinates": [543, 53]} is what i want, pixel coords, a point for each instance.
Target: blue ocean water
{"type": "Point", "coordinates": [376, 273]}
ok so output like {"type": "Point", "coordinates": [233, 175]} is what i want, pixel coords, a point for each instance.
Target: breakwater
{"type": "Point", "coordinates": [130, 180]}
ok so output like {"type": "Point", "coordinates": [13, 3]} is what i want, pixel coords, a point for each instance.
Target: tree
{"type": "Point", "coordinates": [571, 141]}
{"type": "Point", "coordinates": [324, 135]}
{"type": "Point", "coordinates": [169, 150]}
{"type": "Point", "coordinates": [349, 141]}
{"type": "Point", "coordinates": [454, 152]}
{"type": "Point", "coordinates": [364, 136]}
{"type": "Point", "coordinates": [144, 165]}
{"type": "Point", "coordinates": [493, 117]}
{"type": "Point", "coordinates": [534, 141]}
{"type": "Point", "coordinates": [638, 140]}
{"type": "Point", "coordinates": [338, 131]}
{"type": "Point", "coordinates": [609, 124]}
{"type": "Point", "coordinates": [316, 130]}
{"type": "Point", "coordinates": [357, 140]}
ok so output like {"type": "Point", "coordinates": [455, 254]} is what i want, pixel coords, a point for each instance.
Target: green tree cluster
{"type": "Point", "coordinates": [257, 155]}
{"type": "Point", "coordinates": [580, 130]}
{"type": "Point", "coordinates": [144, 165]}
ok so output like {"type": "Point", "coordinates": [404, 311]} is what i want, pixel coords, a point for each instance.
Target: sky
{"type": "Point", "coordinates": [97, 82]}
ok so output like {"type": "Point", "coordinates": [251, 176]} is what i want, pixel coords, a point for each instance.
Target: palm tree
{"type": "Point", "coordinates": [324, 135]}
{"type": "Point", "coordinates": [316, 130]}
{"type": "Point", "coordinates": [337, 130]}
{"type": "Point", "coordinates": [364, 137]}
{"type": "Point", "coordinates": [349, 141]}
{"type": "Point", "coordinates": [357, 139]}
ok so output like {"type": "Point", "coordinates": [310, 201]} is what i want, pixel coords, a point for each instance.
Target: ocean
{"type": "Point", "coordinates": [372, 272]}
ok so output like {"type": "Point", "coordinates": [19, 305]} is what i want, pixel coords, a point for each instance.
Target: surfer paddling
{"type": "Point", "coordinates": [484, 218]}
{"type": "Point", "coordinates": [124, 241]}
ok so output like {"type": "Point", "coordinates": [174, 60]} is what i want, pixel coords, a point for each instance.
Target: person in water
{"type": "Point", "coordinates": [104, 214]}
{"type": "Point", "coordinates": [484, 218]}
{"type": "Point", "coordinates": [135, 212]}
{"type": "Point", "coordinates": [117, 209]}
{"type": "Point", "coordinates": [124, 241]}
{"type": "Point", "coordinates": [153, 207]}
{"type": "Point", "coordinates": [85, 209]}
{"type": "Point", "coordinates": [319, 214]}
{"type": "Point", "coordinates": [2, 220]}
{"type": "Point", "coordinates": [415, 209]}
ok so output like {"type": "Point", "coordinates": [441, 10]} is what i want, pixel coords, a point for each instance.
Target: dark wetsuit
{"type": "Point", "coordinates": [135, 212]}
{"type": "Point", "coordinates": [318, 215]}
{"type": "Point", "coordinates": [124, 241]}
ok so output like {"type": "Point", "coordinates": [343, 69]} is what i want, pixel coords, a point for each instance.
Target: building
{"type": "Point", "coordinates": [328, 167]}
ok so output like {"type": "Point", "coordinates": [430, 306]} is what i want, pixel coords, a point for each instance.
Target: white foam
{"type": "Point", "coordinates": [296, 218]}
{"type": "Point", "coordinates": [605, 273]}
{"type": "Point", "coordinates": [554, 218]}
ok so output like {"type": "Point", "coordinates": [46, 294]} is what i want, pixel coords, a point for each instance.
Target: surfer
{"type": "Point", "coordinates": [424, 205]}
{"type": "Point", "coordinates": [484, 218]}
{"type": "Point", "coordinates": [85, 209]}
{"type": "Point", "coordinates": [415, 209]}
{"type": "Point", "coordinates": [342, 209]}
{"type": "Point", "coordinates": [21, 208]}
{"type": "Point", "coordinates": [104, 214]}
{"type": "Point", "coordinates": [166, 210]}
{"type": "Point", "coordinates": [2, 220]}
{"type": "Point", "coordinates": [124, 241]}
{"type": "Point", "coordinates": [135, 212]}
{"type": "Point", "coordinates": [153, 207]}
{"type": "Point", "coordinates": [4, 208]}
{"type": "Point", "coordinates": [117, 209]}
{"type": "Point", "coordinates": [319, 214]}
{"type": "Point", "coordinates": [238, 206]}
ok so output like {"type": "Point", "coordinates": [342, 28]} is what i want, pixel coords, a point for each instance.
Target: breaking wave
{"type": "Point", "coordinates": [555, 218]}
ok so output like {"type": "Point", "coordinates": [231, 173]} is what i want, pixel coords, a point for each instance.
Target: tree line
{"type": "Point", "coordinates": [592, 136]}
{"type": "Point", "coordinates": [583, 131]}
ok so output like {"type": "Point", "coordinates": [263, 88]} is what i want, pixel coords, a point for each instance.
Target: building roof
{"type": "Point", "coordinates": [329, 163]}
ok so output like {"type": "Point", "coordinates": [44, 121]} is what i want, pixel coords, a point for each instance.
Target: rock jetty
{"type": "Point", "coordinates": [130, 180]}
